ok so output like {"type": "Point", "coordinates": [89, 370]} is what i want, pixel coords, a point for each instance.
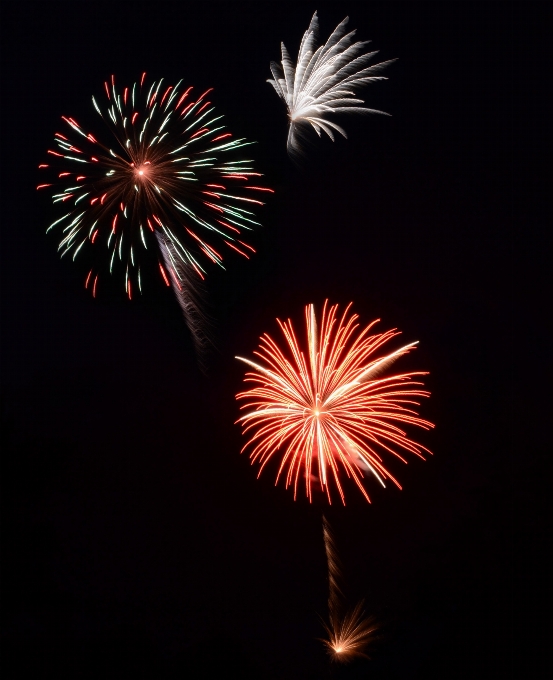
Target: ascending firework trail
{"type": "Point", "coordinates": [167, 176]}
{"type": "Point", "coordinates": [349, 631]}
{"type": "Point", "coordinates": [326, 410]}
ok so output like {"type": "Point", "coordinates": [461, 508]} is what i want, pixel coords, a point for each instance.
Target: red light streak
{"type": "Point", "coordinates": [208, 254]}
{"type": "Point", "coordinates": [175, 278]}
{"type": "Point", "coordinates": [199, 132]}
{"type": "Point", "coordinates": [237, 250]}
{"type": "Point", "coordinates": [164, 275]}
{"type": "Point", "coordinates": [204, 94]}
{"type": "Point", "coordinates": [228, 226]}
{"type": "Point", "coordinates": [198, 272]}
{"type": "Point", "coordinates": [215, 207]}
{"type": "Point", "coordinates": [186, 108]}
{"type": "Point", "coordinates": [183, 98]}
{"type": "Point", "coordinates": [247, 246]}
{"type": "Point", "coordinates": [202, 107]}
{"type": "Point", "coordinates": [252, 200]}
{"type": "Point", "coordinates": [166, 93]}
{"type": "Point", "coordinates": [204, 244]}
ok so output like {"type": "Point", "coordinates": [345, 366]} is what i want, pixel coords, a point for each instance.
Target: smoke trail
{"type": "Point", "coordinates": [188, 294]}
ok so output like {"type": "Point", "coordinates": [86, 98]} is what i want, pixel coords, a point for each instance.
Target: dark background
{"type": "Point", "coordinates": [136, 540]}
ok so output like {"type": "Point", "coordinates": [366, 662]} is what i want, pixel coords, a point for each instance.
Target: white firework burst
{"type": "Point", "coordinates": [324, 81]}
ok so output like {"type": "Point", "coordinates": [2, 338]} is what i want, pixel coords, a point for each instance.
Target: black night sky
{"type": "Point", "coordinates": [136, 541]}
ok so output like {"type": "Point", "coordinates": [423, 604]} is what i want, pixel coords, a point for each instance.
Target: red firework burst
{"type": "Point", "coordinates": [330, 409]}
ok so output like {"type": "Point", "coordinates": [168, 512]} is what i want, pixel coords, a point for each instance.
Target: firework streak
{"type": "Point", "coordinates": [170, 178]}
{"type": "Point", "coordinates": [349, 633]}
{"type": "Point", "coordinates": [329, 409]}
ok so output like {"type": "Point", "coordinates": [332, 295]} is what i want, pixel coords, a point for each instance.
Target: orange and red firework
{"type": "Point", "coordinates": [330, 408]}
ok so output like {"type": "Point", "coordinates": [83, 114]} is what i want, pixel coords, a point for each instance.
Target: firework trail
{"type": "Point", "coordinates": [168, 177]}
{"type": "Point", "coordinates": [349, 633]}
{"type": "Point", "coordinates": [329, 409]}
{"type": "Point", "coordinates": [323, 82]}
{"type": "Point", "coordinates": [335, 594]}
{"type": "Point", "coordinates": [187, 292]}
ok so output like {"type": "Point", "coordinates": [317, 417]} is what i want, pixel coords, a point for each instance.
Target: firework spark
{"type": "Point", "coordinates": [324, 81]}
{"type": "Point", "coordinates": [330, 409]}
{"type": "Point", "coordinates": [349, 634]}
{"type": "Point", "coordinates": [169, 178]}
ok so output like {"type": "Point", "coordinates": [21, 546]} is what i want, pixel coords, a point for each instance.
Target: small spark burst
{"type": "Point", "coordinates": [323, 82]}
{"type": "Point", "coordinates": [169, 179]}
{"type": "Point", "coordinates": [351, 633]}
{"type": "Point", "coordinates": [330, 410]}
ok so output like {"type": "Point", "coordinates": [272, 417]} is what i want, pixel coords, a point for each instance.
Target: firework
{"type": "Point", "coordinates": [330, 410]}
{"type": "Point", "coordinates": [324, 81]}
{"type": "Point", "coordinates": [349, 634]}
{"type": "Point", "coordinates": [168, 176]}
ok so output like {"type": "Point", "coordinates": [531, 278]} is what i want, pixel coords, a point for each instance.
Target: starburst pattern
{"type": "Point", "coordinates": [166, 177]}
{"type": "Point", "coordinates": [330, 410]}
